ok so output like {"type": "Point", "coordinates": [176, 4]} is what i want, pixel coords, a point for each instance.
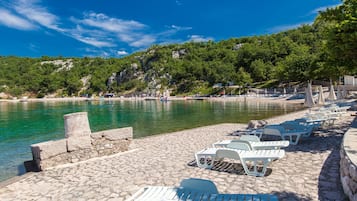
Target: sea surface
{"type": "Point", "coordinates": [26, 123]}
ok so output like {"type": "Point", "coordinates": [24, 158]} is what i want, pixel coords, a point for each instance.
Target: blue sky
{"type": "Point", "coordinates": [115, 28]}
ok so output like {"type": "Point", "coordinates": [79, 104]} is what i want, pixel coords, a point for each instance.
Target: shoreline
{"type": "Point", "coordinates": [219, 100]}
{"type": "Point", "coordinates": [172, 98]}
{"type": "Point", "coordinates": [274, 119]}
{"type": "Point", "coordinates": [271, 120]}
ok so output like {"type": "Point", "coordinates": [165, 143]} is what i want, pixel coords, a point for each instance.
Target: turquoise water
{"type": "Point", "coordinates": [23, 124]}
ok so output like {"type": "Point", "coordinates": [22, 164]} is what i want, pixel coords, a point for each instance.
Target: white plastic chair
{"type": "Point", "coordinates": [245, 156]}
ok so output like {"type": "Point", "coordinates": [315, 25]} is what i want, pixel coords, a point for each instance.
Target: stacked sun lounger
{"type": "Point", "coordinates": [252, 144]}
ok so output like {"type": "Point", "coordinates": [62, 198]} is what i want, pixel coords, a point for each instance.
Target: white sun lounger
{"type": "Point", "coordinates": [255, 145]}
{"type": "Point", "coordinates": [193, 190]}
{"type": "Point", "coordinates": [206, 157]}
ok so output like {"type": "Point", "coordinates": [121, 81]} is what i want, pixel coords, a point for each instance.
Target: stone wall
{"type": "Point", "coordinates": [80, 144]}
{"type": "Point", "coordinates": [348, 162]}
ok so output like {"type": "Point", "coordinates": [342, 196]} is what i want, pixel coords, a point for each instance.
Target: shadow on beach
{"type": "Point", "coordinates": [291, 196]}
{"type": "Point", "coordinates": [324, 140]}
{"type": "Point", "coordinates": [230, 167]}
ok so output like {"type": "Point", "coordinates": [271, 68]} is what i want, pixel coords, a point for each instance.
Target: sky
{"type": "Point", "coordinates": [117, 28]}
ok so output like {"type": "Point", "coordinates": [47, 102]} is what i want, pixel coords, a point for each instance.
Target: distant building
{"type": "Point", "coordinates": [349, 80]}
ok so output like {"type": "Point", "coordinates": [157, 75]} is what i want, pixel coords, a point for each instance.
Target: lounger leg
{"type": "Point", "coordinates": [207, 161]}
{"type": "Point", "coordinates": [291, 139]}
{"type": "Point", "coordinates": [245, 167]}
{"type": "Point", "coordinates": [296, 140]}
{"type": "Point", "coordinates": [255, 171]}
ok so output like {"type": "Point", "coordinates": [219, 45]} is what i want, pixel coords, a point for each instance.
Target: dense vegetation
{"type": "Point", "coordinates": [322, 51]}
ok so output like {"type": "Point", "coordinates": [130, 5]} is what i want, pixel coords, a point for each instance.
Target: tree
{"type": "Point", "coordinates": [341, 34]}
{"type": "Point", "coordinates": [261, 70]}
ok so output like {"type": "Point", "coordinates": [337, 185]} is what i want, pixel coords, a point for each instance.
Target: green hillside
{"type": "Point", "coordinates": [322, 51]}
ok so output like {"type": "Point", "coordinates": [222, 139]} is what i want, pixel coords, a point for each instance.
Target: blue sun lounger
{"type": "Point", "coordinates": [193, 190]}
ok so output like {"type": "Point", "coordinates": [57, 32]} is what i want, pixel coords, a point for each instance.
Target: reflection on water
{"type": "Point", "coordinates": [26, 123]}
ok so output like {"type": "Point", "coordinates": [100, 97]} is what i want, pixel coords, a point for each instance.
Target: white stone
{"type": "Point", "coordinates": [76, 125]}
{"type": "Point", "coordinates": [45, 150]}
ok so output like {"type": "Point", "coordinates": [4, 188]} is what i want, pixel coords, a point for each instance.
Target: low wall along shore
{"type": "Point", "coordinates": [348, 163]}
{"type": "Point", "coordinates": [80, 143]}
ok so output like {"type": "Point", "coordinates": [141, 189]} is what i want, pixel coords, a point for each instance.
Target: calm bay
{"type": "Point", "coordinates": [26, 123]}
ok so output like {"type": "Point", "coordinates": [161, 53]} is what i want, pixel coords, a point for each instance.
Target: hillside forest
{"type": "Point", "coordinates": [324, 51]}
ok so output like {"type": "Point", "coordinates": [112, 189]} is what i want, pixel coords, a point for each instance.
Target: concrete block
{"type": "Point", "coordinates": [76, 125]}
{"type": "Point", "coordinates": [45, 150]}
{"type": "Point", "coordinates": [78, 143]}
{"type": "Point", "coordinates": [118, 134]}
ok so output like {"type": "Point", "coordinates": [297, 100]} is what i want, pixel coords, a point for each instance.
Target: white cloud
{"type": "Point", "coordinates": [104, 22]}
{"type": "Point", "coordinates": [143, 41]}
{"type": "Point", "coordinates": [287, 27]}
{"type": "Point", "coordinates": [317, 10]}
{"type": "Point", "coordinates": [198, 38]}
{"type": "Point", "coordinates": [13, 21]}
{"type": "Point", "coordinates": [97, 38]}
{"type": "Point", "coordinates": [104, 28]}
{"type": "Point", "coordinates": [122, 52]}
{"type": "Point", "coordinates": [91, 40]}
{"type": "Point", "coordinates": [95, 52]}
{"type": "Point", "coordinates": [37, 13]}
{"type": "Point", "coordinates": [127, 37]}
{"type": "Point", "coordinates": [179, 28]}
{"type": "Point", "coordinates": [95, 29]}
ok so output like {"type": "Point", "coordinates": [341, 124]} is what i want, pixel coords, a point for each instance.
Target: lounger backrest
{"type": "Point", "coordinates": [240, 145]}
{"type": "Point", "coordinates": [273, 130]}
{"type": "Point", "coordinates": [199, 185]}
{"type": "Point", "coordinates": [226, 153]}
{"type": "Point", "coordinates": [250, 138]}
{"type": "Point", "coordinates": [297, 126]}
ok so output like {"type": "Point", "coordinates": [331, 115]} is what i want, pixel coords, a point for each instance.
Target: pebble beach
{"type": "Point", "coordinates": [308, 171]}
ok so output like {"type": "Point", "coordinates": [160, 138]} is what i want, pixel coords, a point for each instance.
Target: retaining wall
{"type": "Point", "coordinates": [348, 163]}
{"type": "Point", "coordinates": [80, 143]}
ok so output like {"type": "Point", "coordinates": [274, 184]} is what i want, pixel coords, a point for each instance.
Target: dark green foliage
{"type": "Point", "coordinates": [339, 28]}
